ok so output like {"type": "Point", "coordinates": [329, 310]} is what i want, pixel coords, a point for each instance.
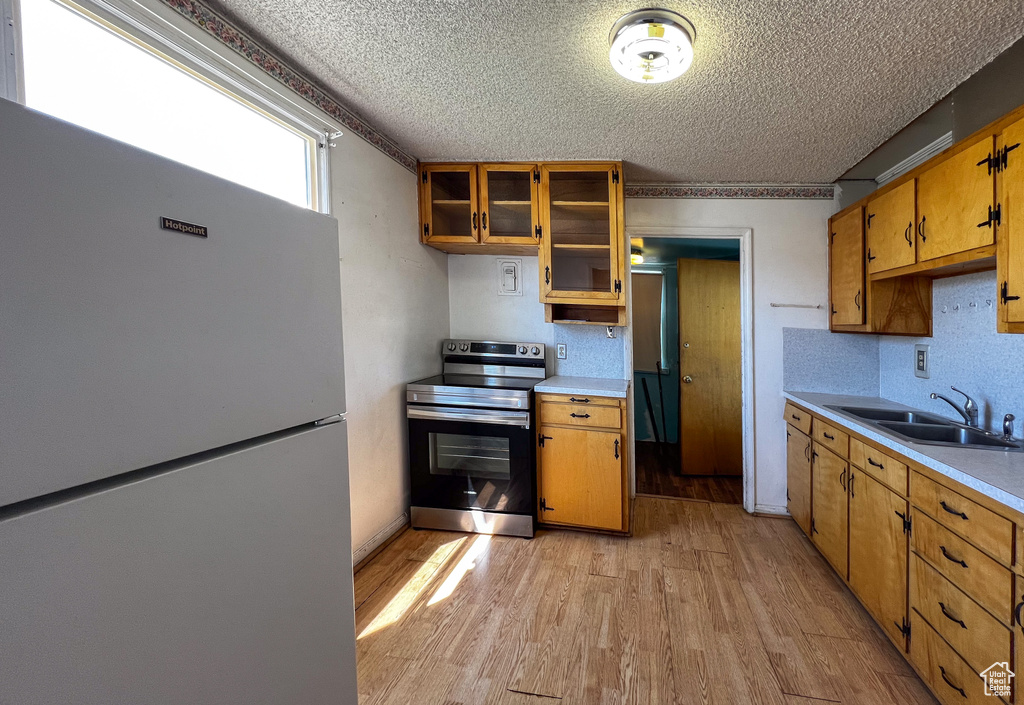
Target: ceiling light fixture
{"type": "Point", "coordinates": [636, 255]}
{"type": "Point", "coordinates": [652, 45]}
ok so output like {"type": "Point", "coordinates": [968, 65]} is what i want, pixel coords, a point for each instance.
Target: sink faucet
{"type": "Point", "coordinates": [1008, 427]}
{"type": "Point", "coordinates": [969, 410]}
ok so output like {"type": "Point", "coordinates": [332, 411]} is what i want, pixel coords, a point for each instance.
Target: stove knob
{"type": "Point", "coordinates": [535, 350]}
{"type": "Point", "coordinates": [464, 347]}
{"type": "Point", "coordinates": [522, 349]}
{"type": "Point", "coordinates": [451, 347]}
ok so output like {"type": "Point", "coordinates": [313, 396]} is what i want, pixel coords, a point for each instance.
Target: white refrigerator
{"type": "Point", "coordinates": [174, 498]}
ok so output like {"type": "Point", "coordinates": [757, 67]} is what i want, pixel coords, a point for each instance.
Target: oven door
{"type": "Point", "coordinates": [471, 459]}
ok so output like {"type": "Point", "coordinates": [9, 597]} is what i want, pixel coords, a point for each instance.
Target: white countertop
{"type": "Point", "coordinates": [995, 473]}
{"type": "Point", "coordinates": [584, 386]}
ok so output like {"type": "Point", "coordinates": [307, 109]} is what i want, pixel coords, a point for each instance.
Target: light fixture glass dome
{"type": "Point", "coordinates": [651, 46]}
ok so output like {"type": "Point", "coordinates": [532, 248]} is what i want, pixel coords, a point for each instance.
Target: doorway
{"type": "Point", "coordinates": [688, 306]}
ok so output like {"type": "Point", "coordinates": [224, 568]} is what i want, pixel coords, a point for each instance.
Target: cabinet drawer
{"type": "Point", "coordinates": [882, 467]}
{"type": "Point", "coordinates": [799, 418]}
{"type": "Point", "coordinates": [580, 415]}
{"type": "Point", "coordinates": [965, 566]}
{"type": "Point", "coordinates": [975, 634]}
{"type": "Point", "coordinates": [949, 676]}
{"type": "Point", "coordinates": [982, 527]}
{"type": "Point", "coordinates": [832, 438]}
{"type": "Point", "coordinates": [578, 399]}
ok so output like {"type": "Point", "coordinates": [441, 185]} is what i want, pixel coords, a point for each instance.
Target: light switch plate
{"type": "Point", "coordinates": [921, 368]}
{"type": "Point", "coordinates": [561, 351]}
{"type": "Point", "coordinates": [510, 280]}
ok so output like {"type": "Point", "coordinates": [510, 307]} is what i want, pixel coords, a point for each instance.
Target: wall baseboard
{"type": "Point", "coordinates": [771, 509]}
{"type": "Point", "coordinates": [380, 538]}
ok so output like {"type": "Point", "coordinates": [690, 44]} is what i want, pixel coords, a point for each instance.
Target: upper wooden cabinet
{"type": "Point", "coordinates": [484, 208]}
{"type": "Point", "coordinates": [1010, 229]}
{"type": "Point", "coordinates": [955, 203]}
{"type": "Point", "coordinates": [581, 248]}
{"type": "Point", "coordinates": [890, 228]}
{"type": "Point", "coordinates": [846, 268]}
{"type": "Point", "coordinates": [449, 204]}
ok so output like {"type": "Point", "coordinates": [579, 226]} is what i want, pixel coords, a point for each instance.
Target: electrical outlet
{"type": "Point", "coordinates": [561, 351]}
{"type": "Point", "coordinates": [921, 362]}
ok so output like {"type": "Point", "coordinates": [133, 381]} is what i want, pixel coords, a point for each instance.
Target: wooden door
{"type": "Point", "coordinates": [449, 203]}
{"type": "Point", "coordinates": [581, 244]}
{"type": "Point", "coordinates": [829, 508]}
{"type": "Point", "coordinates": [509, 204]}
{"type": "Point", "coordinates": [581, 478]}
{"type": "Point", "coordinates": [710, 357]}
{"type": "Point", "coordinates": [878, 552]}
{"type": "Point", "coordinates": [798, 474]}
{"type": "Point", "coordinates": [890, 228]}
{"type": "Point", "coordinates": [954, 200]}
{"type": "Point", "coordinates": [1010, 194]}
{"type": "Point", "coordinates": [846, 269]}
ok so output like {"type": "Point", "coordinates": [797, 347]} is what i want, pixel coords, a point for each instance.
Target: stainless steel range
{"type": "Point", "coordinates": [471, 439]}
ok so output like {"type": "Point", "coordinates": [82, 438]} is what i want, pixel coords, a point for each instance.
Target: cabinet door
{"type": "Point", "coordinates": [1010, 194]}
{"type": "Point", "coordinates": [954, 199]}
{"type": "Point", "coordinates": [846, 269]}
{"type": "Point", "coordinates": [890, 228]}
{"type": "Point", "coordinates": [581, 234]}
{"type": "Point", "coordinates": [798, 471]}
{"type": "Point", "coordinates": [829, 508]}
{"type": "Point", "coordinates": [878, 552]}
{"type": "Point", "coordinates": [581, 478]}
{"type": "Point", "coordinates": [448, 199]}
{"type": "Point", "coordinates": [509, 207]}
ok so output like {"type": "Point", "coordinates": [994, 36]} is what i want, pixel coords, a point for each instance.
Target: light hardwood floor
{"type": "Point", "coordinates": [704, 604]}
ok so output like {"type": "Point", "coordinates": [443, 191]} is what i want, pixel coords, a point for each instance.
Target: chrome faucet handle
{"type": "Point", "coordinates": [970, 419]}
{"type": "Point", "coordinates": [1008, 427]}
{"type": "Point", "coordinates": [970, 407]}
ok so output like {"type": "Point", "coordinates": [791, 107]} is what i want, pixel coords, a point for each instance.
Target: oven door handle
{"type": "Point", "coordinates": [485, 416]}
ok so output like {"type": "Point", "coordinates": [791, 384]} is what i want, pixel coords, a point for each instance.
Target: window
{"type": "Point", "coordinates": [79, 68]}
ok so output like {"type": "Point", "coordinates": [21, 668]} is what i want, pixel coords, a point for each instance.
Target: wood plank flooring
{"type": "Point", "coordinates": [657, 473]}
{"type": "Point", "coordinates": [704, 604]}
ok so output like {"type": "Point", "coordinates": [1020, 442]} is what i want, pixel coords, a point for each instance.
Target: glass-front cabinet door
{"type": "Point", "coordinates": [449, 201]}
{"type": "Point", "coordinates": [508, 204]}
{"type": "Point", "coordinates": [581, 233]}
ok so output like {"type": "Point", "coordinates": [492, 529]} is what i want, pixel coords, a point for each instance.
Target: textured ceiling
{"type": "Point", "coordinates": [780, 91]}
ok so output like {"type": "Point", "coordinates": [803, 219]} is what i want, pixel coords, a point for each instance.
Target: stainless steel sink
{"type": "Point", "coordinates": [951, 434]}
{"type": "Point", "coordinates": [928, 429]}
{"type": "Point", "coordinates": [892, 415]}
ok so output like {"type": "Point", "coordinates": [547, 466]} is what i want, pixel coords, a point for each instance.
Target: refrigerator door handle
{"type": "Point", "coordinates": [337, 418]}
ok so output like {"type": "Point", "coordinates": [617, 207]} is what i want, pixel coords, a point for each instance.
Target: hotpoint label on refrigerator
{"type": "Point", "coordinates": [182, 227]}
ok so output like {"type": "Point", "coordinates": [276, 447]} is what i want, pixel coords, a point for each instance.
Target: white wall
{"type": "Point", "coordinates": [789, 266]}
{"type": "Point", "coordinates": [477, 311]}
{"type": "Point", "coordinates": [395, 314]}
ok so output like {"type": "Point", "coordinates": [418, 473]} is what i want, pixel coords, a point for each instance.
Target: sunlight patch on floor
{"type": "Point", "coordinates": [479, 546]}
{"type": "Point", "coordinates": [412, 589]}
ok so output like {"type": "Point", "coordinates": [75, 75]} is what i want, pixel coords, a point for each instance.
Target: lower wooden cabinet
{"type": "Point", "coordinates": [798, 475]}
{"type": "Point", "coordinates": [581, 464]}
{"type": "Point", "coordinates": [952, 680]}
{"type": "Point", "coordinates": [829, 507]}
{"type": "Point", "coordinates": [878, 552]}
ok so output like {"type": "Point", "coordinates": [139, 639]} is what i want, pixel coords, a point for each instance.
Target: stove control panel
{"type": "Point", "coordinates": [486, 348]}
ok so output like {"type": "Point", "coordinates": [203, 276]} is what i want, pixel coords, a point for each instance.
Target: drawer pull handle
{"type": "Point", "coordinates": [831, 438]}
{"type": "Point", "coordinates": [794, 417]}
{"type": "Point", "coordinates": [616, 449]}
{"type": "Point", "coordinates": [842, 479]}
{"type": "Point", "coordinates": [1016, 612]}
{"type": "Point", "coordinates": [584, 400]}
{"type": "Point", "coordinates": [952, 511]}
{"type": "Point", "coordinates": [877, 465]}
{"type": "Point", "coordinates": [950, 617]}
{"type": "Point", "coordinates": [580, 416]}
{"type": "Point", "coordinates": [951, 684]}
{"type": "Point", "coordinates": [950, 558]}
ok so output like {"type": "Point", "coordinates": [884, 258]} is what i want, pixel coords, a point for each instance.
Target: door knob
{"type": "Point", "coordinates": [687, 379]}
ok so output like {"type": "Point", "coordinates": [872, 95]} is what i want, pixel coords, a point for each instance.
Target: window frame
{"type": "Point", "coordinates": [160, 31]}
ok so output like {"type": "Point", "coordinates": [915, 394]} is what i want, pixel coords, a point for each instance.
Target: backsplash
{"type": "Point", "coordinates": [477, 311]}
{"type": "Point", "coordinates": [815, 360]}
{"type": "Point", "coordinates": [965, 351]}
